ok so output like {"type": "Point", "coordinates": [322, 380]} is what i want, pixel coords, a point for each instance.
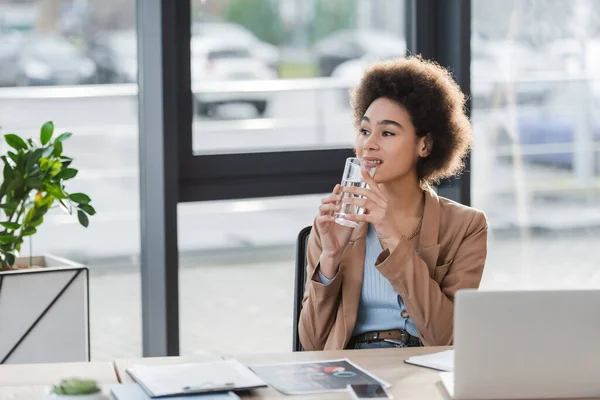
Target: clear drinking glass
{"type": "Point", "coordinates": [352, 177]}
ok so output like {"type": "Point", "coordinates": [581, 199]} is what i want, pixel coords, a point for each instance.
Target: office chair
{"type": "Point", "coordinates": [300, 280]}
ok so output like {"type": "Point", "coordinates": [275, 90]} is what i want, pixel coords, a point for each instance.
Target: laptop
{"type": "Point", "coordinates": [525, 345]}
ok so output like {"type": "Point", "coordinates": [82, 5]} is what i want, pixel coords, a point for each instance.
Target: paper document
{"type": "Point", "coordinates": [315, 376]}
{"type": "Point", "coordinates": [216, 376]}
{"type": "Point", "coordinates": [442, 361]}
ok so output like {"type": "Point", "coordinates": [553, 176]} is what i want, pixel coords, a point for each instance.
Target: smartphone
{"type": "Point", "coordinates": [369, 391]}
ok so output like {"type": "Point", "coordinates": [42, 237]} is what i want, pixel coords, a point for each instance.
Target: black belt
{"type": "Point", "coordinates": [399, 336]}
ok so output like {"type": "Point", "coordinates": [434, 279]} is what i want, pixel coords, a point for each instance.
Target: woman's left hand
{"type": "Point", "coordinates": [376, 212]}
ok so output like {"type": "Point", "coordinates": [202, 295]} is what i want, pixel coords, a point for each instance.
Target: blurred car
{"type": "Point", "coordinates": [558, 125]}
{"type": "Point", "coordinates": [239, 35]}
{"type": "Point", "coordinates": [52, 60]}
{"type": "Point", "coordinates": [115, 55]}
{"type": "Point", "coordinates": [346, 45]}
{"type": "Point", "coordinates": [548, 129]}
{"type": "Point", "coordinates": [577, 56]}
{"type": "Point", "coordinates": [215, 60]}
{"type": "Point", "coordinates": [10, 46]}
{"type": "Point", "coordinates": [18, 17]}
{"type": "Point", "coordinates": [501, 66]}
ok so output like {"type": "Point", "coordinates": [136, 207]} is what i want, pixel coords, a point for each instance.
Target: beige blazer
{"type": "Point", "coordinates": [452, 248]}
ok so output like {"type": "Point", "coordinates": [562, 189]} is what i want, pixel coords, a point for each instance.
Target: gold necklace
{"type": "Point", "coordinates": [417, 229]}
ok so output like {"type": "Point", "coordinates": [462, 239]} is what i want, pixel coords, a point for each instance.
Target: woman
{"type": "Point", "coordinates": [391, 281]}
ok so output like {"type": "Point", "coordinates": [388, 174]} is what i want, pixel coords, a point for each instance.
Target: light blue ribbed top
{"type": "Point", "coordinates": [380, 306]}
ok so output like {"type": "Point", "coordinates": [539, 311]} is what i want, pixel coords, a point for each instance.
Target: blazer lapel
{"type": "Point", "coordinates": [429, 247]}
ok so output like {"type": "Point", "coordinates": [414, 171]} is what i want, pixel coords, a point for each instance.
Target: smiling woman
{"type": "Point", "coordinates": [391, 281]}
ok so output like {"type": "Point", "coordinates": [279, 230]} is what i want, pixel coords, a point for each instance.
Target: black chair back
{"type": "Point", "coordinates": [300, 281]}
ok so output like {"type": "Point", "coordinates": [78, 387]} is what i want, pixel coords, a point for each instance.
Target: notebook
{"type": "Point", "coordinates": [185, 379]}
{"type": "Point", "coordinates": [442, 361]}
{"type": "Point", "coordinates": [133, 391]}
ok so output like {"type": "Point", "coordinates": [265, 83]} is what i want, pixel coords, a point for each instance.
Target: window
{"type": "Point", "coordinates": [278, 124]}
{"type": "Point", "coordinates": [306, 56]}
{"type": "Point", "coordinates": [42, 77]}
{"type": "Point", "coordinates": [535, 85]}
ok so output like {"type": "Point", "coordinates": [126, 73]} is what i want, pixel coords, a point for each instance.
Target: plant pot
{"type": "Point", "coordinates": [44, 312]}
{"type": "Point", "coordinates": [94, 396]}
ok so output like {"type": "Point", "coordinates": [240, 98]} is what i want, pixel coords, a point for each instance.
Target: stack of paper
{"type": "Point", "coordinates": [443, 361]}
{"type": "Point", "coordinates": [185, 379]}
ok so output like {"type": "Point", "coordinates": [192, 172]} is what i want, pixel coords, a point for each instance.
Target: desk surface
{"type": "Point", "coordinates": [49, 374]}
{"type": "Point", "coordinates": [408, 382]}
{"type": "Point", "coordinates": [32, 381]}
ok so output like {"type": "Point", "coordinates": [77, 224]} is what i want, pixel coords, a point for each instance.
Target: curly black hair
{"type": "Point", "coordinates": [436, 106]}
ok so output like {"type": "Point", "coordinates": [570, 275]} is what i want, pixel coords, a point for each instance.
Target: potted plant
{"type": "Point", "coordinates": [76, 389]}
{"type": "Point", "coordinates": [33, 182]}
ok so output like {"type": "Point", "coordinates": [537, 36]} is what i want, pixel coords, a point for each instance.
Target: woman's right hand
{"type": "Point", "coordinates": [334, 237]}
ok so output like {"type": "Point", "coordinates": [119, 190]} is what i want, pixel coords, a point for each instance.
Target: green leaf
{"type": "Point", "coordinates": [44, 164]}
{"type": "Point", "coordinates": [10, 225]}
{"type": "Point", "coordinates": [14, 182]}
{"type": "Point", "coordinates": [13, 157]}
{"type": "Point", "coordinates": [88, 209]}
{"type": "Point", "coordinates": [63, 137]}
{"type": "Point", "coordinates": [15, 142]}
{"type": "Point", "coordinates": [9, 207]}
{"type": "Point", "coordinates": [64, 207]}
{"type": "Point", "coordinates": [58, 149]}
{"type": "Point", "coordinates": [83, 219]}
{"type": "Point", "coordinates": [29, 216]}
{"type": "Point", "coordinates": [48, 151]}
{"type": "Point", "coordinates": [80, 198]}
{"type": "Point", "coordinates": [34, 183]}
{"type": "Point", "coordinates": [6, 239]}
{"type": "Point", "coordinates": [75, 386]}
{"type": "Point", "coordinates": [47, 132]}
{"type": "Point", "coordinates": [37, 222]}
{"type": "Point", "coordinates": [56, 191]}
{"type": "Point", "coordinates": [28, 232]}
{"type": "Point", "coordinates": [67, 173]}
{"type": "Point", "coordinates": [56, 168]}
{"type": "Point", "coordinates": [10, 259]}
{"type": "Point", "coordinates": [33, 158]}
{"type": "Point", "coordinates": [66, 161]}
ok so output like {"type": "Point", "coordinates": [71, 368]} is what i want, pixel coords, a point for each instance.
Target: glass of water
{"type": "Point", "coordinates": [352, 177]}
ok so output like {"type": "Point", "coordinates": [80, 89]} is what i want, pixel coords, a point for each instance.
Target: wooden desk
{"type": "Point", "coordinates": [31, 381]}
{"type": "Point", "coordinates": [408, 382]}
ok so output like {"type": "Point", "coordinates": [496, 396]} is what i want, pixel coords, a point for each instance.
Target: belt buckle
{"type": "Point", "coordinates": [372, 337]}
{"type": "Point", "coordinates": [404, 337]}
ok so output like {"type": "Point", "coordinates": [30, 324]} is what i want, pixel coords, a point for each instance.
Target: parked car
{"type": "Point", "coordinates": [549, 129]}
{"type": "Point", "coordinates": [496, 68]}
{"type": "Point", "coordinates": [577, 56]}
{"type": "Point", "coordinates": [115, 55]}
{"type": "Point", "coordinates": [215, 60]}
{"type": "Point", "coordinates": [346, 45]}
{"type": "Point", "coordinates": [501, 66]}
{"type": "Point", "coordinates": [52, 60]}
{"type": "Point", "coordinates": [241, 36]}
{"type": "Point", "coordinates": [569, 113]}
